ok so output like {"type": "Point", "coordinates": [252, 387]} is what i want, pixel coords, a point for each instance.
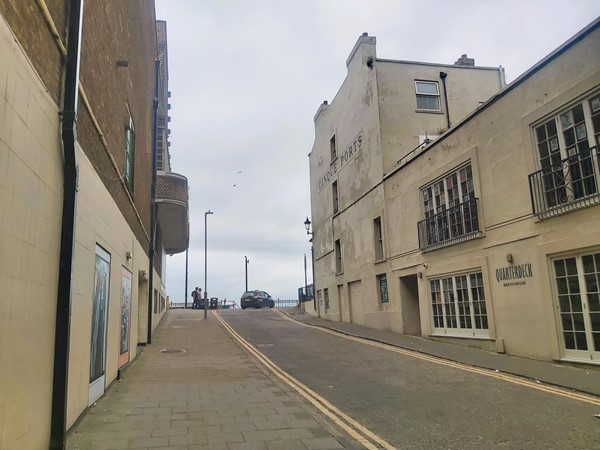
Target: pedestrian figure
{"type": "Point", "coordinates": [195, 298]}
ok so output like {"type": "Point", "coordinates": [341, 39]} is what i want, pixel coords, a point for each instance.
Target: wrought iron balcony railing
{"type": "Point", "coordinates": [456, 224]}
{"type": "Point", "coordinates": [572, 184]}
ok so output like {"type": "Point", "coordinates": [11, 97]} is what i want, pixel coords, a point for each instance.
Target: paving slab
{"type": "Point", "coordinates": [195, 388]}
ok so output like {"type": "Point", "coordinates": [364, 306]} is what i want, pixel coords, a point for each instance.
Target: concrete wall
{"type": "Point", "coordinates": [376, 103]}
{"type": "Point", "coordinates": [31, 189]}
{"type": "Point", "coordinates": [30, 211]}
{"type": "Point", "coordinates": [402, 123]}
{"type": "Point", "coordinates": [498, 142]}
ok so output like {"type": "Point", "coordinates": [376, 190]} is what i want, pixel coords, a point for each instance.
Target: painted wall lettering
{"type": "Point", "coordinates": [340, 162]}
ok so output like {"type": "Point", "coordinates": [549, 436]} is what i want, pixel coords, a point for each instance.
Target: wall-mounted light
{"type": "Point", "coordinates": [128, 255]}
{"type": "Point", "coordinates": [143, 275]}
{"type": "Point", "coordinates": [307, 223]}
{"type": "Point", "coordinates": [509, 257]}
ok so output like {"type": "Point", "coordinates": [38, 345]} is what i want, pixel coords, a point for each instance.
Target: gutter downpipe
{"type": "Point", "coordinates": [443, 76]}
{"type": "Point", "coordinates": [153, 204]}
{"type": "Point", "coordinates": [63, 303]}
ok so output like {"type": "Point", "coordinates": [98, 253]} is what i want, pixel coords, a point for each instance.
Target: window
{"type": "Point", "coordinates": [338, 257]}
{"type": "Point", "coordinates": [378, 238]}
{"type": "Point", "coordinates": [129, 152]}
{"type": "Point", "coordinates": [450, 210]}
{"type": "Point", "coordinates": [333, 148]}
{"type": "Point", "coordinates": [567, 151]}
{"type": "Point", "coordinates": [458, 305]}
{"type": "Point", "coordinates": [428, 95]}
{"type": "Point", "coordinates": [334, 192]}
{"type": "Point", "coordinates": [577, 281]}
{"type": "Point", "coordinates": [382, 288]}
{"type": "Point", "coordinates": [326, 295]}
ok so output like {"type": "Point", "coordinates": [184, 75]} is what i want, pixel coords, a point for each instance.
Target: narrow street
{"type": "Point", "coordinates": [414, 403]}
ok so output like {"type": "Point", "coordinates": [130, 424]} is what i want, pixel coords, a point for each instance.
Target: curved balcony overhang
{"type": "Point", "coordinates": [172, 211]}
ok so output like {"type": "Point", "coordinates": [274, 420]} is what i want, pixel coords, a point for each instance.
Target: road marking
{"type": "Point", "coordinates": [366, 437]}
{"type": "Point", "coordinates": [437, 360]}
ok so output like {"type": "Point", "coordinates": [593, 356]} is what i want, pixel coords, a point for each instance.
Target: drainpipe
{"type": "Point", "coordinates": [153, 205]}
{"type": "Point", "coordinates": [60, 379]}
{"type": "Point", "coordinates": [443, 76]}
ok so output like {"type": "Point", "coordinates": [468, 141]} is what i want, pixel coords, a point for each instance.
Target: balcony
{"type": "Point", "coordinates": [456, 224]}
{"type": "Point", "coordinates": [572, 184]}
{"type": "Point", "coordinates": [172, 211]}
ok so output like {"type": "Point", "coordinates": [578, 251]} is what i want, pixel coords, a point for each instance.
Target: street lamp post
{"type": "Point", "coordinates": [246, 260]}
{"type": "Point", "coordinates": [307, 224]}
{"type": "Point", "coordinates": [186, 279]}
{"type": "Point", "coordinates": [205, 266]}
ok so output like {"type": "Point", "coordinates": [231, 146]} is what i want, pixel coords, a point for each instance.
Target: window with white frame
{"type": "Point", "coordinates": [428, 95]}
{"type": "Point", "coordinates": [450, 209]}
{"type": "Point", "coordinates": [129, 152]}
{"type": "Point", "coordinates": [567, 152]}
{"type": "Point", "coordinates": [458, 305]}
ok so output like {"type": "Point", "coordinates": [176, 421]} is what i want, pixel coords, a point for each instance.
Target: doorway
{"type": "Point", "coordinates": [409, 299]}
{"type": "Point", "coordinates": [99, 319]}
{"type": "Point", "coordinates": [355, 301]}
{"type": "Point", "coordinates": [577, 283]}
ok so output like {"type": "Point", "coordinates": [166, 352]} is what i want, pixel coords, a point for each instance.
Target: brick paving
{"type": "Point", "coordinates": [212, 395]}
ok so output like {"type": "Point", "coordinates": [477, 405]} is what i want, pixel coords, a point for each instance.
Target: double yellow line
{"type": "Point", "coordinates": [444, 362]}
{"type": "Point", "coordinates": [367, 438]}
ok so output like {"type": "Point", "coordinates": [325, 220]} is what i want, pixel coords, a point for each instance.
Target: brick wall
{"type": "Point", "coordinates": [26, 21]}
{"type": "Point", "coordinates": [120, 31]}
{"type": "Point", "coordinates": [112, 30]}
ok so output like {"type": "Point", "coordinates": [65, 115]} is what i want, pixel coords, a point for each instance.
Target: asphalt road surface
{"type": "Point", "coordinates": [417, 404]}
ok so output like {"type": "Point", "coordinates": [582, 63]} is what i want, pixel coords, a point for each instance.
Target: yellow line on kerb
{"type": "Point", "coordinates": [352, 427]}
{"type": "Point", "coordinates": [444, 362]}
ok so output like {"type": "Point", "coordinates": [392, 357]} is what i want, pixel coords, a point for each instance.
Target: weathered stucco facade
{"type": "Point", "coordinates": [109, 281]}
{"type": "Point", "coordinates": [487, 236]}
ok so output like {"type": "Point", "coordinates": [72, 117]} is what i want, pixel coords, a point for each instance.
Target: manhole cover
{"type": "Point", "coordinates": [172, 350]}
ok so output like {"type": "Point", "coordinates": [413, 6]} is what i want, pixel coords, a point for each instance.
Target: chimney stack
{"type": "Point", "coordinates": [465, 61]}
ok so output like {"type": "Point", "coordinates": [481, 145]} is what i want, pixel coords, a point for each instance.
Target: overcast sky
{"type": "Point", "coordinates": [247, 78]}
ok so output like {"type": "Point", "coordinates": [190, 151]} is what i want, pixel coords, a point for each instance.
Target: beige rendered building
{"type": "Point", "coordinates": [50, 373]}
{"type": "Point", "coordinates": [449, 206]}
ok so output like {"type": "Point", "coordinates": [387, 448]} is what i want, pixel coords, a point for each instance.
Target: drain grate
{"type": "Point", "coordinates": [173, 350]}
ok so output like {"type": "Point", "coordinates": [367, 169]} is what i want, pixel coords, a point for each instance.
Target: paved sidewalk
{"type": "Point", "coordinates": [580, 378]}
{"type": "Point", "coordinates": [211, 396]}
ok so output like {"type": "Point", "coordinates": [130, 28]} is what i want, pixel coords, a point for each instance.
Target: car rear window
{"type": "Point", "coordinates": [249, 294]}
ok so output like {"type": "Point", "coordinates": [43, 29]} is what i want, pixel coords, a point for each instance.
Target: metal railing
{"type": "Point", "coordinates": [280, 303]}
{"type": "Point", "coordinates": [572, 184]}
{"type": "Point", "coordinates": [456, 224]}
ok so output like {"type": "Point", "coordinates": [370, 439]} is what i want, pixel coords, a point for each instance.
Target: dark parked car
{"type": "Point", "coordinates": [256, 299]}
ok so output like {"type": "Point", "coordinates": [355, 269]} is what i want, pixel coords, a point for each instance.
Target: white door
{"type": "Point", "coordinates": [577, 280]}
{"type": "Point", "coordinates": [99, 319]}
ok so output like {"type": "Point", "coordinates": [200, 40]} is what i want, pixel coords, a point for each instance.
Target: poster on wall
{"type": "Point", "coordinates": [125, 317]}
{"type": "Point", "coordinates": [99, 314]}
